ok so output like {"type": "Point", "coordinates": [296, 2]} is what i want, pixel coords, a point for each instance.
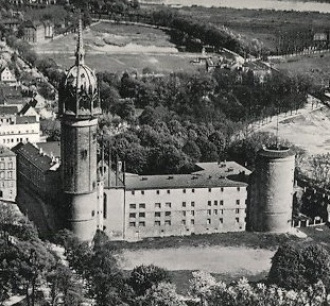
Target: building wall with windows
{"type": "Point", "coordinates": [184, 211]}
{"type": "Point", "coordinates": [11, 135]}
{"type": "Point", "coordinates": [8, 189]}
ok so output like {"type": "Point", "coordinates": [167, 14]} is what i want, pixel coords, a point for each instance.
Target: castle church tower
{"type": "Point", "coordinates": [79, 109]}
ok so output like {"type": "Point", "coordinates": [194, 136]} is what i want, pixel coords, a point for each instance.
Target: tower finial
{"type": "Point", "coordinates": [80, 53]}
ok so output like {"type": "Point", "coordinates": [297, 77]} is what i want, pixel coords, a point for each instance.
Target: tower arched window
{"type": "Point", "coordinates": [104, 206]}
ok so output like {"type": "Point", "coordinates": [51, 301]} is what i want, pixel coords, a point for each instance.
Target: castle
{"type": "Point", "coordinates": [79, 191]}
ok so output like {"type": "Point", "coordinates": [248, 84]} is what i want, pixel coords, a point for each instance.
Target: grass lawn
{"type": "Point", "coordinates": [225, 263]}
{"type": "Point", "coordinates": [250, 240]}
{"type": "Point", "coordinates": [116, 62]}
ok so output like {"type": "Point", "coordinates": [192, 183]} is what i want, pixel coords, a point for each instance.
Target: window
{"type": "Point", "coordinates": [192, 204]}
{"type": "Point", "coordinates": [142, 215]}
{"type": "Point", "coordinates": [209, 212]}
{"type": "Point", "coordinates": [237, 220]}
{"type": "Point", "coordinates": [237, 211]}
{"type": "Point", "coordinates": [238, 202]}
{"type": "Point", "coordinates": [2, 165]}
{"type": "Point", "coordinates": [168, 205]}
{"type": "Point", "coordinates": [132, 206]}
{"type": "Point", "coordinates": [133, 192]}
{"type": "Point", "coordinates": [2, 174]}
{"type": "Point", "coordinates": [208, 221]}
{"type": "Point", "coordinates": [184, 213]}
{"type": "Point", "coordinates": [215, 211]}
{"type": "Point", "coordinates": [93, 213]}
{"type": "Point", "coordinates": [157, 214]}
{"type": "Point", "coordinates": [10, 165]}
{"type": "Point", "coordinates": [132, 224]}
{"type": "Point", "coordinates": [192, 190]}
{"type": "Point", "coordinates": [221, 220]}
{"type": "Point", "coordinates": [192, 221]}
{"type": "Point", "coordinates": [209, 203]}
{"type": "Point", "coordinates": [132, 215]}
{"type": "Point", "coordinates": [184, 190]}
{"type": "Point", "coordinates": [193, 213]}
{"type": "Point", "coordinates": [210, 189]}
{"type": "Point", "coordinates": [183, 222]}
{"type": "Point", "coordinates": [215, 203]}
{"type": "Point", "coordinates": [142, 223]}
{"type": "Point", "coordinates": [167, 213]}
{"type": "Point", "coordinates": [105, 206]}
{"type": "Point", "coordinates": [157, 223]}
{"type": "Point", "coordinates": [238, 188]}
{"type": "Point", "coordinates": [221, 211]}
{"type": "Point", "coordinates": [157, 191]}
{"type": "Point", "coordinates": [184, 204]}
{"type": "Point", "coordinates": [157, 205]}
{"type": "Point", "coordinates": [142, 192]}
{"type": "Point", "coordinates": [221, 202]}
{"type": "Point", "coordinates": [168, 222]}
{"type": "Point", "coordinates": [168, 191]}
{"type": "Point", "coordinates": [10, 174]}
{"type": "Point", "coordinates": [221, 189]}
{"type": "Point", "coordinates": [142, 205]}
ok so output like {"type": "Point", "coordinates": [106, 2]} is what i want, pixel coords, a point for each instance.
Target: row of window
{"type": "Point", "coordinates": [9, 174]}
{"type": "Point", "coordinates": [11, 140]}
{"type": "Point", "coordinates": [17, 132]}
{"type": "Point", "coordinates": [168, 191]}
{"type": "Point", "coordinates": [183, 222]}
{"type": "Point", "coordinates": [184, 204]}
{"type": "Point", "coordinates": [158, 214]}
{"type": "Point", "coordinates": [10, 165]}
{"type": "Point", "coordinates": [6, 184]}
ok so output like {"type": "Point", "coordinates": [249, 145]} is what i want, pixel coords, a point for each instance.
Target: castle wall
{"type": "Point", "coordinates": [166, 212]}
{"type": "Point", "coordinates": [113, 212]}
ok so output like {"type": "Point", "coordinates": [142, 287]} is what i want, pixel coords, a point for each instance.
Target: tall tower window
{"type": "Point", "coordinates": [105, 206]}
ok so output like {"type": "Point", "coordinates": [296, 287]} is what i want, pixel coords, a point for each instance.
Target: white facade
{"type": "Point", "coordinates": [11, 135]}
{"type": "Point", "coordinates": [7, 76]}
{"type": "Point", "coordinates": [184, 211]}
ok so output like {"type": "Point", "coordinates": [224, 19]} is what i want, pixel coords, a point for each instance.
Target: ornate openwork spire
{"type": "Point", "coordinates": [80, 53]}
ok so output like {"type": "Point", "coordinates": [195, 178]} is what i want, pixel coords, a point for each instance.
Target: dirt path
{"type": "Point", "coordinates": [236, 261]}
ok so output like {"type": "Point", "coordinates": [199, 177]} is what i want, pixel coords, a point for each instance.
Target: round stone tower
{"type": "Point", "coordinates": [271, 191]}
{"type": "Point", "coordinates": [79, 108]}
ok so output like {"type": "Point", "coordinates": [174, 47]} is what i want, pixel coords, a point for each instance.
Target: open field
{"type": "Point", "coordinates": [226, 263]}
{"type": "Point", "coordinates": [309, 131]}
{"type": "Point", "coordinates": [101, 36]}
{"type": "Point", "coordinates": [316, 66]}
{"type": "Point", "coordinates": [118, 62]}
{"type": "Point", "coordinates": [115, 48]}
{"type": "Point", "coordinates": [265, 25]}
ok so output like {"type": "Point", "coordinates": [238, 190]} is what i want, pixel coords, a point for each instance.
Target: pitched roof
{"type": "Point", "coordinates": [25, 119]}
{"type": "Point", "coordinates": [7, 110]}
{"type": "Point", "coordinates": [4, 151]}
{"type": "Point", "coordinates": [209, 175]}
{"type": "Point", "coordinates": [179, 181]}
{"type": "Point", "coordinates": [32, 153]}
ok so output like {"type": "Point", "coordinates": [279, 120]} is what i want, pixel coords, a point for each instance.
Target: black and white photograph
{"type": "Point", "coordinates": [164, 152]}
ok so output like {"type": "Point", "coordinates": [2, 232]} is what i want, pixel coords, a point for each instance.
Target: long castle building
{"type": "Point", "coordinates": [86, 195]}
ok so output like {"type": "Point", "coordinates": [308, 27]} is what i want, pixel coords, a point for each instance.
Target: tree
{"type": "Point", "coordinates": [162, 294]}
{"type": "Point", "coordinates": [298, 266]}
{"type": "Point", "coordinates": [192, 150]}
{"type": "Point", "coordinates": [144, 277]}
